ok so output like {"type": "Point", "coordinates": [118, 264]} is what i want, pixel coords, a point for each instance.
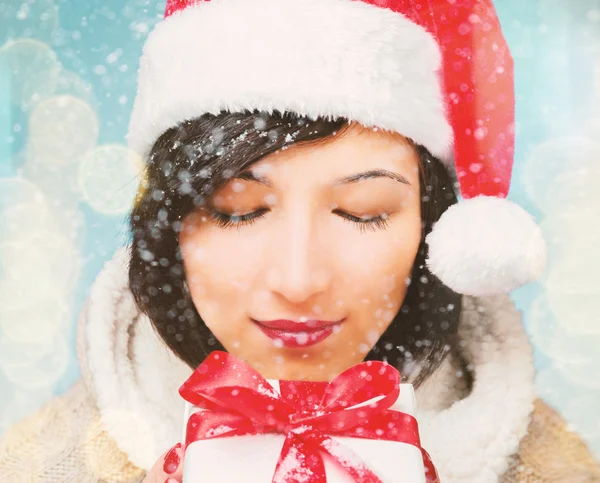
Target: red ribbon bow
{"type": "Point", "coordinates": [239, 401]}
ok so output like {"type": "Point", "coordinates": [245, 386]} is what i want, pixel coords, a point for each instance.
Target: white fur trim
{"type": "Point", "coordinates": [313, 57]}
{"type": "Point", "coordinates": [486, 245]}
{"type": "Point", "coordinates": [134, 376]}
{"type": "Point", "coordinates": [473, 439]}
{"type": "Point", "coordinates": [135, 379]}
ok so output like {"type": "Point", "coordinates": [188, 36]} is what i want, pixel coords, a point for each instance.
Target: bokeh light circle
{"type": "Point", "coordinates": [573, 294]}
{"type": "Point", "coordinates": [583, 372]}
{"type": "Point", "coordinates": [24, 220]}
{"type": "Point", "coordinates": [59, 184]}
{"type": "Point", "coordinates": [549, 160]}
{"type": "Point", "coordinates": [50, 256]}
{"type": "Point", "coordinates": [109, 178]}
{"type": "Point", "coordinates": [565, 232]}
{"type": "Point", "coordinates": [26, 59]}
{"type": "Point", "coordinates": [38, 255]}
{"type": "Point", "coordinates": [62, 129]}
{"type": "Point", "coordinates": [553, 339]}
{"type": "Point", "coordinates": [26, 213]}
{"type": "Point", "coordinates": [56, 82]}
{"type": "Point", "coordinates": [574, 192]}
{"type": "Point", "coordinates": [37, 322]}
{"type": "Point", "coordinates": [574, 272]}
{"type": "Point", "coordinates": [22, 293]}
{"type": "Point", "coordinates": [14, 193]}
{"type": "Point", "coordinates": [579, 313]}
{"type": "Point", "coordinates": [17, 190]}
{"type": "Point", "coordinates": [33, 366]}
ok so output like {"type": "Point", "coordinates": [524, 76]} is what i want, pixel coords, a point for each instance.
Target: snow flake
{"type": "Point", "coordinates": [260, 124]}
{"type": "Point", "coordinates": [475, 167]}
{"type": "Point", "coordinates": [464, 28]}
{"type": "Point", "coordinates": [270, 199]}
{"type": "Point", "coordinates": [474, 18]}
{"type": "Point", "coordinates": [302, 338]}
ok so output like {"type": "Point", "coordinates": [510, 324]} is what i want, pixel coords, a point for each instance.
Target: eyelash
{"type": "Point", "coordinates": [228, 221]}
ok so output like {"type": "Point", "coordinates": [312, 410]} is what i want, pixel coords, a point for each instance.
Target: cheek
{"type": "Point", "coordinates": [377, 282]}
{"type": "Point", "coordinates": [218, 271]}
{"type": "Point", "coordinates": [378, 265]}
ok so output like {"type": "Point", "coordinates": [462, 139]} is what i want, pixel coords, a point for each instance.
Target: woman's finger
{"type": "Point", "coordinates": [172, 465]}
{"type": "Point", "coordinates": [168, 468]}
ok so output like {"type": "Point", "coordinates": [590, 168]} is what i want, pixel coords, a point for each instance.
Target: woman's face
{"type": "Point", "coordinates": [301, 263]}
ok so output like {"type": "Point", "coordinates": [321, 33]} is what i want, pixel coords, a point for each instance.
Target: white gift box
{"type": "Point", "coordinates": [252, 459]}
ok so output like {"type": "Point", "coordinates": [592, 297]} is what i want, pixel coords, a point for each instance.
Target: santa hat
{"type": "Point", "coordinates": [436, 71]}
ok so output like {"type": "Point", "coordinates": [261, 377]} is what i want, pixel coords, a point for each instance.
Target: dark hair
{"type": "Point", "coordinates": [191, 161]}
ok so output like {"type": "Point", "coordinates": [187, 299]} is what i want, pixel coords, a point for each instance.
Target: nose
{"type": "Point", "coordinates": [299, 268]}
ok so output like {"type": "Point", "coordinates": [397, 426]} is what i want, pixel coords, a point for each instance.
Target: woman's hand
{"type": "Point", "coordinates": [168, 468]}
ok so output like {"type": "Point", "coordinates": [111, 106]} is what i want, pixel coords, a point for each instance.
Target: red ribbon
{"type": "Point", "coordinates": [239, 401]}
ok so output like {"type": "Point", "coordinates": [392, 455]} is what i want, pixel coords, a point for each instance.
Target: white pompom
{"type": "Point", "coordinates": [486, 245]}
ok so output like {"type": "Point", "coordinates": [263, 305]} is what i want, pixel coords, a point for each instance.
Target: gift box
{"type": "Point", "coordinates": [240, 427]}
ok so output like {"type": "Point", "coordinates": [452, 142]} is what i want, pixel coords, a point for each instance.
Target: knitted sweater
{"type": "Point", "coordinates": [113, 424]}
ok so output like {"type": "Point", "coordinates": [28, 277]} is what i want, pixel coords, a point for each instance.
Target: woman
{"type": "Point", "coordinates": [299, 211]}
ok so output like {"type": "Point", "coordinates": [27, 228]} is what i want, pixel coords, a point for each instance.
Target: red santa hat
{"type": "Point", "coordinates": [436, 71]}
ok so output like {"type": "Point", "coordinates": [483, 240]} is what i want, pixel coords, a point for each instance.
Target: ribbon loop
{"type": "Point", "coordinates": [222, 381]}
{"type": "Point", "coordinates": [362, 383]}
{"type": "Point", "coordinates": [236, 400]}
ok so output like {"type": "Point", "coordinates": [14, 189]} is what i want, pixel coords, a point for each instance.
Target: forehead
{"type": "Point", "coordinates": [354, 150]}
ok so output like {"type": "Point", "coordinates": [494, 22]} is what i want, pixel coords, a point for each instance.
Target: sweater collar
{"type": "Point", "coordinates": [135, 379]}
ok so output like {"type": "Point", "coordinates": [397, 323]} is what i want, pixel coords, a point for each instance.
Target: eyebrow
{"type": "Point", "coordinates": [374, 173]}
{"type": "Point", "coordinates": [250, 176]}
{"type": "Point", "coordinates": [353, 178]}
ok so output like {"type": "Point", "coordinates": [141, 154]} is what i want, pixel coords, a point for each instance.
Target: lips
{"type": "Point", "coordinates": [294, 334]}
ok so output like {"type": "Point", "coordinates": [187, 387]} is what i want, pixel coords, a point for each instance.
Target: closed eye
{"type": "Point", "coordinates": [369, 222]}
{"type": "Point", "coordinates": [235, 220]}
{"type": "Point", "coordinates": [365, 222]}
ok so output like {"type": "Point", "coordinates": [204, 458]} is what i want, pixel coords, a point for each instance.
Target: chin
{"type": "Point", "coordinates": [293, 366]}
